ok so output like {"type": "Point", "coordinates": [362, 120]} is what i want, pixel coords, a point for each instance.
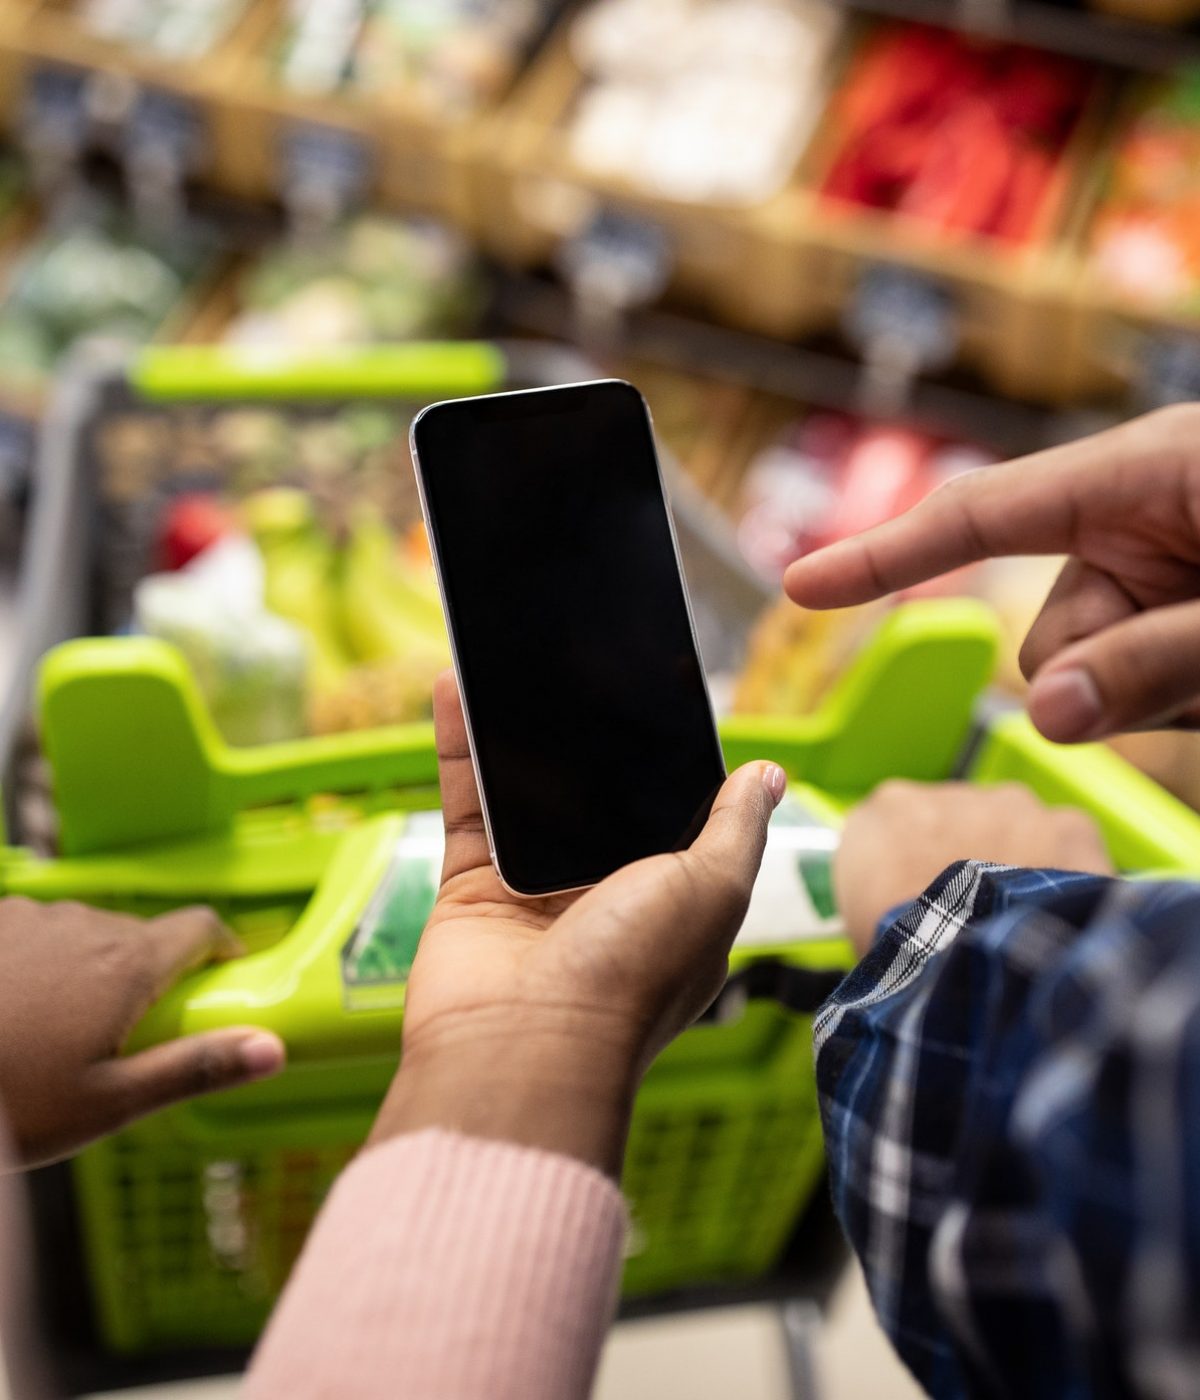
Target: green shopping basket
{"type": "Point", "coordinates": [192, 1219]}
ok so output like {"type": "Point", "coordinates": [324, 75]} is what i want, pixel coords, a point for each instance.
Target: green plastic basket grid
{"type": "Point", "coordinates": [190, 1244]}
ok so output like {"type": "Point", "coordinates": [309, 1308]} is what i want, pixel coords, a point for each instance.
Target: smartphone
{"type": "Point", "coordinates": [590, 724]}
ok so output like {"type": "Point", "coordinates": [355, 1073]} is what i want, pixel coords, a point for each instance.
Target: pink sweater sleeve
{"type": "Point", "coordinates": [446, 1268]}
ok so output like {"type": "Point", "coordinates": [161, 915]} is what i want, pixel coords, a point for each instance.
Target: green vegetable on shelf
{"type": "Point", "coordinates": [93, 277]}
{"type": "Point", "coordinates": [376, 279]}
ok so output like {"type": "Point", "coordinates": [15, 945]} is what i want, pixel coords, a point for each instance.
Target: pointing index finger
{"type": "Point", "coordinates": [1030, 506]}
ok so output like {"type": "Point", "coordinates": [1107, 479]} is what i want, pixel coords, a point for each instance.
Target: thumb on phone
{"type": "Point", "coordinates": [724, 859]}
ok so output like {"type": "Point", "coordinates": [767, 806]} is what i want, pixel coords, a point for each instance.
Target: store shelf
{"type": "Point", "coordinates": [817, 375]}
{"type": "Point", "coordinates": [1080, 33]}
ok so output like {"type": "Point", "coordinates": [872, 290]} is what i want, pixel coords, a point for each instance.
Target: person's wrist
{"type": "Point", "coordinates": [561, 1079]}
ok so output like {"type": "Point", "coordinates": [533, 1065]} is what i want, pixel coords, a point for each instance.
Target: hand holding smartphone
{"type": "Point", "coordinates": [588, 716]}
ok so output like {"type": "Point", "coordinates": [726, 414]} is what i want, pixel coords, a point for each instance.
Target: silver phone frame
{"type": "Point", "coordinates": [441, 585]}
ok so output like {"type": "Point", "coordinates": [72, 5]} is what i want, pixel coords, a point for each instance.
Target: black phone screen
{"type": "Point", "coordinates": [582, 684]}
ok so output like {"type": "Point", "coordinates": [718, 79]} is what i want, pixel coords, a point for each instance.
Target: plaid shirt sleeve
{"type": "Point", "coordinates": [1010, 1090]}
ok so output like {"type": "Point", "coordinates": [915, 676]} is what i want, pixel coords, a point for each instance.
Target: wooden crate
{"type": "Point", "coordinates": [1151, 11]}
{"type": "Point", "coordinates": [530, 196]}
{"type": "Point", "coordinates": [52, 37]}
{"type": "Point", "coordinates": [249, 119]}
{"type": "Point", "coordinates": [418, 159]}
{"type": "Point", "coordinates": [1117, 325]}
{"type": "Point", "coordinates": [207, 314]}
{"type": "Point", "coordinates": [1019, 311]}
{"type": "Point", "coordinates": [267, 117]}
{"type": "Point", "coordinates": [709, 424]}
{"type": "Point", "coordinates": [791, 265]}
{"type": "Point", "coordinates": [14, 15]}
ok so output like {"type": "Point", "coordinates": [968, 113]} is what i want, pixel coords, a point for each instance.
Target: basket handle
{"type": "Point", "coordinates": [137, 759]}
{"type": "Point", "coordinates": [414, 370]}
{"type": "Point", "coordinates": [902, 709]}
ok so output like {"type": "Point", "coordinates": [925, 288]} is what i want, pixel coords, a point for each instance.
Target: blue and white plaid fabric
{"type": "Point", "coordinates": [1010, 1088]}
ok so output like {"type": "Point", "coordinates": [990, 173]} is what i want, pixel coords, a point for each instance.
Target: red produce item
{"type": "Point", "coordinates": [886, 472]}
{"type": "Point", "coordinates": [961, 136]}
{"type": "Point", "coordinates": [190, 524]}
{"type": "Point", "coordinates": [827, 438]}
{"type": "Point", "coordinates": [1032, 173]}
{"type": "Point", "coordinates": [964, 177]}
{"type": "Point", "coordinates": [1039, 95]}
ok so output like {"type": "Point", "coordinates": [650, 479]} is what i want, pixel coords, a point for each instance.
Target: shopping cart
{"type": "Point", "coordinates": [83, 549]}
{"type": "Point", "coordinates": [321, 852]}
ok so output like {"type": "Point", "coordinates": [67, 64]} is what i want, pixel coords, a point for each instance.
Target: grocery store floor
{"type": "Point", "coordinates": [711, 1356]}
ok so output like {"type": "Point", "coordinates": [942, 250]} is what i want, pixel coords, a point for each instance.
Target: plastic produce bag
{"type": "Point", "coordinates": [250, 665]}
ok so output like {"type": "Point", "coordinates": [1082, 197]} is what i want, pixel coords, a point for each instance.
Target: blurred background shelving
{"type": "Point", "coordinates": [952, 221]}
{"type": "Point", "coordinates": [967, 219]}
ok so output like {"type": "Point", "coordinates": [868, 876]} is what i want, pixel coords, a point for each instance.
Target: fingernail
{"type": "Point", "coordinates": [1066, 705]}
{"type": "Point", "coordinates": [775, 782]}
{"type": "Point", "coordinates": [262, 1054]}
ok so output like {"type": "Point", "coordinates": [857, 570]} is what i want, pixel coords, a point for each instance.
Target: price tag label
{"type": "Point", "coordinates": [324, 168]}
{"type": "Point", "coordinates": [54, 117]}
{"type": "Point", "coordinates": [1168, 369]}
{"type": "Point", "coordinates": [167, 128]}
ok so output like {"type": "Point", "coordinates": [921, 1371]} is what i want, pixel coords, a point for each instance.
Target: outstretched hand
{"type": "Point", "coordinates": [74, 982]}
{"type": "Point", "coordinates": [1117, 644]}
{"type": "Point", "coordinates": [533, 1019]}
{"type": "Point", "coordinates": [905, 834]}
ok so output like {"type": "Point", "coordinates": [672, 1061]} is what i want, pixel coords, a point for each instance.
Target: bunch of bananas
{"type": "Point", "coordinates": [795, 657]}
{"type": "Point", "coordinates": [368, 604]}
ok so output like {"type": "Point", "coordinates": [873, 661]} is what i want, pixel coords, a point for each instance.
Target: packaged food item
{"type": "Point", "coordinates": [375, 279]}
{"type": "Point", "coordinates": [792, 898]}
{"type": "Point", "coordinates": [174, 29]}
{"type": "Point", "coordinates": [379, 955]}
{"type": "Point", "coordinates": [790, 492]}
{"type": "Point", "coordinates": [962, 137]}
{"type": "Point", "coordinates": [823, 478]}
{"type": "Point", "coordinates": [250, 665]}
{"type": "Point", "coordinates": [703, 101]}
{"type": "Point", "coordinates": [831, 475]}
{"type": "Point", "coordinates": [885, 471]}
{"type": "Point", "coordinates": [1145, 240]}
{"type": "Point", "coordinates": [328, 497]}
